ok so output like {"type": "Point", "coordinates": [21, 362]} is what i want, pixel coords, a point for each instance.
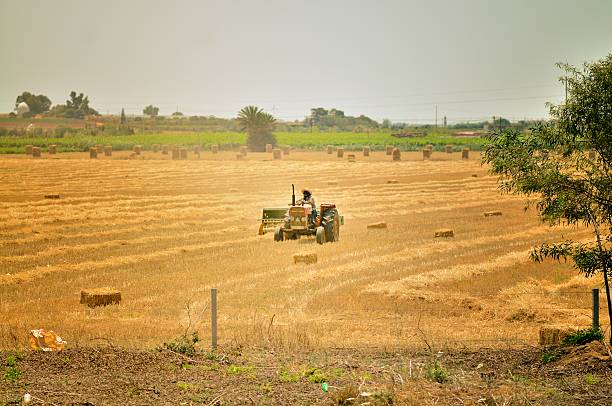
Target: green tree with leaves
{"type": "Point", "coordinates": [259, 125]}
{"type": "Point", "coordinates": [38, 103]}
{"type": "Point", "coordinates": [150, 111]}
{"type": "Point", "coordinates": [76, 107]}
{"type": "Point", "coordinates": [567, 164]}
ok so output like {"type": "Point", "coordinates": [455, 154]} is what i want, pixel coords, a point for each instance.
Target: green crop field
{"type": "Point", "coordinates": [229, 140]}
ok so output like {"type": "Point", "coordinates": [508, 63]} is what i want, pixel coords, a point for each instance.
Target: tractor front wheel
{"type": "Point", "coordinates": [278, 234]}
{"type": "Point", "coordinates": [320, 236]}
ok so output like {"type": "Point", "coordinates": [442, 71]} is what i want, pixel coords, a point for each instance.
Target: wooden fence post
{"type": "Point", "coordinates": [595, 309]}
{"type": "Point", "coordinates": [213, 317]}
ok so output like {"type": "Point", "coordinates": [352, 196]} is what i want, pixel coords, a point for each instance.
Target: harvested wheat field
{"type": "Point", "coordinates": [164, 232]}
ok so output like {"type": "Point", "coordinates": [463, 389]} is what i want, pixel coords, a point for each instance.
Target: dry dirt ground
{"type": "Point", "coordinates": [108, 376]}
{"type": "Point", "coordinates": [164, 232]}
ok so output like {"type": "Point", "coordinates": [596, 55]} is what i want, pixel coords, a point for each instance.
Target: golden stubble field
{"type": "Point", "coordinates": [164, 232]}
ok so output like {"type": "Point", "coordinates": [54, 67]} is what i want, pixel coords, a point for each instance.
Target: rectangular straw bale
{"type": "Point", "coordinates": [426, 153]}
{"type": "Point", "coordinates": [137, 149]}
{"type": "Point", "coordinates": [165, 149]}
{"type": "Point", "coordinates": [268, 148]}
{"type": "Point", "coordinates": [351, 157]}
{"type": "Point", "coordinates": [100, 297]}
{"type": "Point", "coordinates": [389, 150]}
{"type": "Point", "coordinates": [340, 152]}
{"type": "Point", "coordinates": [276, 153]}
{"type": "Point", "coordinates": [465, 153]}
{"type": "Point", "coordinates": [197, 149]}
{"type": "Point", "coordinates": [397, 154]}
{"type": "Point", "coordinates": [52, 196]}
{"type": "Point", "coordinates": [52, 149]}
{"type": "Point", "coordinates": [175, 153]}
{"type": "Point", "coordinates": [492, 213]}
{"type": "Point", "coordinates": [448, 148]}
{"type": "Point", "coordinates": [155, 147]}
{"type": "Point", "coordinates": [183, 153]}
{"type": "Point", "coordinates": [330, 149]}
{"type": "Point", "coordinates": [243, 150]}
{"type": "Point", "coordinates": [445, 233]}
{"type": "Point", "coordinates": [214, 148]}
{"type": "Point", "coordinates": [366, 151]}
{"type": "Point", "coordinates": [93, 153]}
{"type": "Point", "coordinates": [305, 258]}
{"type": "Point", "coordinates": [286, 150]}
{"type": "Point", "coordinates": [552, 335]}
{"type": "Point", "coordinates": [28, 149]}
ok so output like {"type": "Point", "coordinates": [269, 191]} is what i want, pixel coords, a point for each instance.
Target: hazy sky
{"type": "Point", "coordinates": [385, 59]}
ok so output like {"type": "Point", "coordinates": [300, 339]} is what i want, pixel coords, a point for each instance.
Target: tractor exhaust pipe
{"type": "Point", "coordinates": [293, 195]}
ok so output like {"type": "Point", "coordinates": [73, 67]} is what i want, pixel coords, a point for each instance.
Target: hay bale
{"type": "Point", "coordinates": [239, 157]}
{"type": "Point", "coordinates": [552, 335]}
{"type": "Point", "coordinates": [108, 150]}
{"type": "Point", "coordinates": [340, 152]}
{"type": "Point", "coordinates": [429, 147]}
{"type": "Point", "coordinates": [375, 226]}
{"type": "Point", "coordinates": [52, 149]}
{"type": "Point", "coordinates": [28, 149]}
{"type": "Point", "coordinates": [397, 154]}
{"type": "Point", "coordinates": [197, 149]}
{"type": "Point", "coordinates": [175, 153]}
{"type": "Point", "coordinates": [165, 149]}
{"type": "Point", "coordinates": [276, 153]}
{"type": "Point", "coordinates": [492, 213]}
{"type": "Point", "coordinates": [155, 147]}
{"type": "Point", "coordinates": [306, 258]}
{"type": "Point", "coordinates": [100, 297]}
{"type": "Point", "coordinates": [99, 148]}
{"type": "Point", "coordinates": [330, 149]}
{"type": "Point", "coordinates": [183, 153]}
{"type": "Point", "coordinates": [351, 157]}
{"type": "Point", "coordinates": [243, 150]}
{"type": "Point", "coordinates": [426, 153]}
{"type": "Point", "coordinates": [93, 153]}
{"type": "Point", "coordinates": [36, 153]}
{"type": "Point", "coordinates": [389, 150]}
{"type": "Point", "coordinates": [448, 148]}
{"type": "Point", "coordinates": [392, 181]}
{"type": "Point", "coordinates": [268, 148]}
{"type": "Point", "coordinates": [137, 149]}
{"type": "Point", "coordinates": [445, 233]}
{"type": "Point", "coordinates": [52, 196]}
{"type": "Point", "coordinates": [214, 149]}
{"type": "Point", "coordinates": [465, 153]}
{"type": "Point", "coordinates": [286, 150]}
{"type": "Point", "coordinates": [366, 151]}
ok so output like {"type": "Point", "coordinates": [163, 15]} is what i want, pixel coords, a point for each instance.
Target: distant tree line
{"type": "Point", "coordinates": [75, 107]}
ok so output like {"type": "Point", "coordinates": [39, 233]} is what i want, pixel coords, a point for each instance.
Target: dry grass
{"type": "Point", "coordinates": [164, 232]}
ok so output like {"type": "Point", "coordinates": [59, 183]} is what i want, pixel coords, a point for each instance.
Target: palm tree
{"type": "Point", "coordinates": [259, 125]}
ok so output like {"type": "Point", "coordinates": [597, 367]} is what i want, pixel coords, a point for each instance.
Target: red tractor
{"type": "Point", "coordinates": [297, 220]}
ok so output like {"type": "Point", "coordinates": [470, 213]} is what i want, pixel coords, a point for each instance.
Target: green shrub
{"type": "Point", "coordinates": [581, 337]}
{"type": "Point", "coordinates": [184, 344]}
{"type": "Point", "coordinates": [435, 372]}
{"type": "Point", "coordinates": [257, 141]}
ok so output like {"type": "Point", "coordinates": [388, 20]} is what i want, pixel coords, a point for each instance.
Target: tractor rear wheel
{"type": "Point", "coordinates": [320, 236]}
{"type": "Point", "coordinates": [333, 227]}
{"type": "Point", "coordinates": [278, 234]}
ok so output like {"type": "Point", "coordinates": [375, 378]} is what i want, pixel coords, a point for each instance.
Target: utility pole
{"type": "Point", "coordinates": [436, 116]}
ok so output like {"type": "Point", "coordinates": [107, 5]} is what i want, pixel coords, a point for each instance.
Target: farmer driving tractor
{"type": "Point", "coordinates": [308, 199]}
